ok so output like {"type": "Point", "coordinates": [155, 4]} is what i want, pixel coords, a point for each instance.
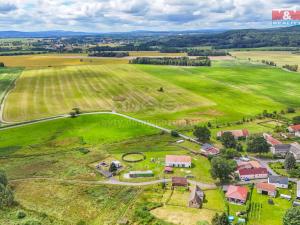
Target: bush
{"type": "Point", "coordinates": [21, 214]}
{"type": "Point", "coordinates": [2, 64]}
{"type": "Point", "coordinates": [174, 133]}
{"type": "Point", "coordinates": [291, 110]}
{"type": "Point", "coordinates": [81, 222]}
{"type": "Point", "coordinates": [83, 150]}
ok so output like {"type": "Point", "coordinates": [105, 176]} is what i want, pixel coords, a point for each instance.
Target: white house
{"type": "Point", "coordinates": [295, 129]}
{"type": "Point", "coordinates": [279, 181]}
{"type": "Point", "coordinates": [178, 161]}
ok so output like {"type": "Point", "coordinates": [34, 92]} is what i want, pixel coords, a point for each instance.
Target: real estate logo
{"type": "Point", "coordinates": [285, 17]}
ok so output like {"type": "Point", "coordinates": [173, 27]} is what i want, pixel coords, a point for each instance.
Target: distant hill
{"type": "Point", "coordinates": [243, 38]}
{"type": "Point", "coordinates": [42, 34]}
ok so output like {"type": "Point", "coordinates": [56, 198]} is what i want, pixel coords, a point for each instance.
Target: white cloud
{"type": "Point", "coordinates": [123, 15]}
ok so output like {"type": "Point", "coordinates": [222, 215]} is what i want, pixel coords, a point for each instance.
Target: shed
{"type": "Point", "coordinates": [196, 198]}
{"type": "Point", "coordinates": [265, 188]}
{"type": "Point", "coordinates": [168, 169]}
{"type": "Point", "coordinates": [136, 174]}
{"type": "Point", "coordinates": [179, 182]}
{"type": "Point", "coordinates": [288, 197]}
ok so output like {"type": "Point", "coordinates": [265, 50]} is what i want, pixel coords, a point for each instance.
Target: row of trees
{"type": "Point", "coordinates": [109, 54]}
{"type": "Point", "coordinates": [128, 47]}
{"type": "Point", "coordinates": [291, 67]}
{"type": "Point", "coordinates": [270, 63]}
{"type": "Point", "coordinates": [179, 61]}
{"type": "Point", "coordinates": [206, 52]}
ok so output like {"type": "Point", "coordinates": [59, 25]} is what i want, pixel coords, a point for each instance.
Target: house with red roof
{"type": "Point", "coordinates": [178, 161]}
{"type": "Point", "coordinates": [266, 188]}
{"type": "Point", "coordinates": [238, 134]}
{"type": "Point", "coordinates": [253, 173]}
{"type": "Point", "coordinates": [236, 194]}
{"type": "Point", "coordinates": [295, 129]}
{"type": "Point", "coordinates": [270, 140]}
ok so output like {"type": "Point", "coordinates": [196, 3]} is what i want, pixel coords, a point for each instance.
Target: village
{"type": "Point", "coordinates": [253, 180]}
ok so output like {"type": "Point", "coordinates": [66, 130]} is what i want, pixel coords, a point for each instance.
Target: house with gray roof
{"type": "Point", "coordinates": [279, 181]}
{"type": "Point", "coordinates": [280, 149]}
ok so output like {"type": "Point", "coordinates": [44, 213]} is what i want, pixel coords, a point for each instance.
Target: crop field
{"type": "Point", "coordinates": [199, 94]}
{"type": "Point", "coordinates": [7, 77]}
{"type": "Point", "coordinates": [279, 57]}
{"type": "Point", "coordinates": [125, 88]}
{"type": "Point", "coordinates": [55, 60]}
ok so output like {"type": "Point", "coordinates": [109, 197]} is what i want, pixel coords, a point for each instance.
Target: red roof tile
{"type": "Point", "coordinates": [237, 192]}
{"type": "Point", "coordinates": [235, 133]}
{"type": "Point", "coordinates": [266, 187]}
{"type": "Point", "coordinates": [253, 171]}
{"type": "Point", "coordinates": [272, 141]}
{"type": "Point", "coordinates": [295, 127]}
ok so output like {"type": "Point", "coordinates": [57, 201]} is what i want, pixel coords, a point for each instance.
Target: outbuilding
{"type": "Point", "coordinates": [267, 189]}
{"type": "Point", "coordinates": [179, 182]}
{"type": "Point", "coordinates": [178, 161]}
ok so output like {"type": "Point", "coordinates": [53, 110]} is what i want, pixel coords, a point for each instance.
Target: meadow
{"type": "Point", "coordinates": [279, 57]}
{"type": "Point", "coordinates": [196, 94]}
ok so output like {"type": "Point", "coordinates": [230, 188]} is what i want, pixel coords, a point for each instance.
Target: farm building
{"type": "Point", "coordinates": [179, 182]}
{"type": "Point", "coordinates": [279, 181]}
{"type": "Point", "coordinates": [270, 140]}
{"type": "Point", "coordinates": [298, 190]}
{"type": "Point", "coordinates": [196, 197]}
{"type": "Point", "coordinates": [265, 188]}
{"type": "Point", "coordinates": [295, 149]}
{"type": "Point", "coordinates": [136, 174]}
{"type": "Point", "coordinates": [117, 163]}
{"type": "Point", "coordinates": [253, 173]}
{"type": "Point", "coordinates": [208, 149]}
{"type": "Point", "coordinates": [236, 194]}
{"type": "Point", "coordinates": [178, 161]}
{"type": "Point", "coordinates": [295, 129]}
{"type": "Point", "coordinates": [238, 134]}
{"type": "Point", "coordinates": [280, 149]}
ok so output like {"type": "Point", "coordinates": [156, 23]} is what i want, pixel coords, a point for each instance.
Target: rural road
{"type": "Point", "coordinates": [112, 181]}
{"type": "Point", "coordinates": [96, 113]}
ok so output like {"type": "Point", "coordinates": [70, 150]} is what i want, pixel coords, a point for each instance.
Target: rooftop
{"type": "Point", "coordinates": [236, 133]}
{"type": "Point", "coordinates": [295, 127]}
{"type": "Point", "coordinates": [178, 158]}
{"type": "Point", "coordinates": [278, 180]}
{"type": "Point", "coordinates": [237, 192]}
{"type": "Point", "coordinates": [272, 141]}
{"type": "Point", "coordinates": [266, 187]}
{"type": "Point", "coordinates": [179, 180]}
{"type": "Point", "coordinates": [253, 171]}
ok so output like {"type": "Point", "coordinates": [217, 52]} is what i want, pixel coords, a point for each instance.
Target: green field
{"type": "Point", "coordinates": [197, 94]}
{"type": "Point", "coordinates": [279, 57]}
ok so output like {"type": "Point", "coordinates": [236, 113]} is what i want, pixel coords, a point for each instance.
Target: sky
{"type": "Point", "coordinates": [128, 15]}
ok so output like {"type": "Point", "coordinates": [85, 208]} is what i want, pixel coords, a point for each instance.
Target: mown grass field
{"type": "Point", "coordinates": [200, 94]}
{"type": "Point", "coordinates": [52, 91]}
{"type": "Point", "coordinates": [7, 77]}
{"type": "Point", "coordinates": [279, 57]}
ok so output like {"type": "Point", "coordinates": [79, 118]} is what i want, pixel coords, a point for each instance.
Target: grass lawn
{"type": "Point", "coordinates": [279, 57]}
{"type": "Point", "coordinates": [266, 213]}
{"type": "Point", "coordinates": [155, 148]}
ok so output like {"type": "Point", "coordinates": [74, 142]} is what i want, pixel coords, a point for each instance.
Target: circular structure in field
{"type": "Point", "coordinates": [133, 157]}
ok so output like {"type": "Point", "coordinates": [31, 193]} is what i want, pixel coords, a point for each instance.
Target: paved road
{"type": "Point", "coordinates": [113, 181]}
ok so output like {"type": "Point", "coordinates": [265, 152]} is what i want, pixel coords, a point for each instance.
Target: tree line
{"type": "Point", "coordinates": [109, 54]}
{"type": "Point", "coordinates": [178, 61]}
{"type": "Point", "coordinates": [206, 52]}
{"type": "Point", "coordinates": [293, 68]}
